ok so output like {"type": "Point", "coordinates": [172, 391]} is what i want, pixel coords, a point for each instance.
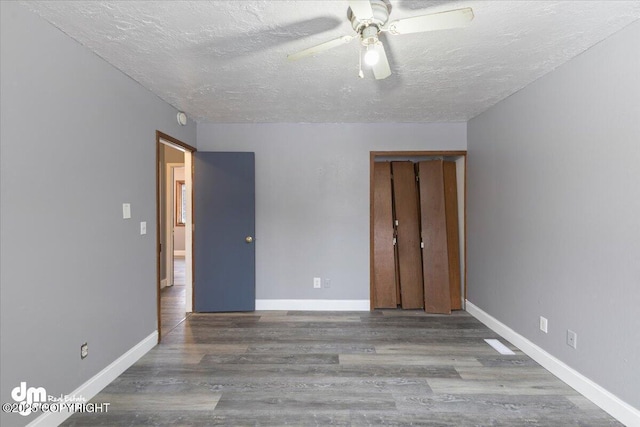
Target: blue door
{"type": "Point", "coordinates": [224, 218]}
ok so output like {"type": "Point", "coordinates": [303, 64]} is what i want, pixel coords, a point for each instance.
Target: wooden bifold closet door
{"type": "Point", "coordinates": [407, 217]}
{"type": "Point", "coordinates": [384, 265]}
{"type": "Point", "coordinates": [453, 236]}
{"type": "Point", "coordinates": [416, 247]}
{"type": "Point", "coordinates": [439, 219]}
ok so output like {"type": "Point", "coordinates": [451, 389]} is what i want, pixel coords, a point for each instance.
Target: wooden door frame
{"type": "Point", "coordinates": [163, 136]}
{"type": "Point", "coordinates": [403, 154]}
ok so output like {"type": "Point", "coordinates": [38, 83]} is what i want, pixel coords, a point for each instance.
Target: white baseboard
{"type": "Point", "coordinates": [163, 283]}
{"type": "Point", "coordinates": [179, 253]}
{"type": "Point", "coordinates": [102, 379]}
{"type": "Point", "coordinates": [313, 304]}
{"type": "Point", "coordinates": [616, 407]}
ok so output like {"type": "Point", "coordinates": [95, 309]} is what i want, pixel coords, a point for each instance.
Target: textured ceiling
{"type": "Point", "coordinates": [225, 61]}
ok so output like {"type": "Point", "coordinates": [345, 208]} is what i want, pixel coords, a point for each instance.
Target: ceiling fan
{"type": "Point", "coordinates": [369, 19]}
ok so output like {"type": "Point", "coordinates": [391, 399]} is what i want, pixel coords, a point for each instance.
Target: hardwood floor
{"type": "Point", "coordinates": [387, 367]}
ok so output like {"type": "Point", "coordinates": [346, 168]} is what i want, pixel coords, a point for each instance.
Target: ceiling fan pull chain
{"type": "Point", "coordinates": [360, 73]}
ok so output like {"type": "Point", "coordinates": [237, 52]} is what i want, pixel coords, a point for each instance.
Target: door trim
{"type": "Point", "coordinates": [163, 136]}
{"type": "Point", "coordinates": [403, 154]}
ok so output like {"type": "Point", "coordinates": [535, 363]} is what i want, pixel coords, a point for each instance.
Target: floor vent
{"type": "Point", "coordinates": [500, 348]}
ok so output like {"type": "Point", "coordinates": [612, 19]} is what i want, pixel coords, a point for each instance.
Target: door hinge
{"type": "Point", "coordinates": [422, 245]}
{"type": "Point", "coordinates": [395, 240]}
{"type": "Point", "coordinates": [396, 222]}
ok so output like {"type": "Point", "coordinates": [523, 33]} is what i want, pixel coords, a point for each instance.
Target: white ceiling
{"type": "Point", "coordinates": [225, 61]}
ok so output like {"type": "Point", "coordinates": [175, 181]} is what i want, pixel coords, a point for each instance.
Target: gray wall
{"type": "Point", "coordinates": [77, 140]}
{"type": "Point", "coordinates": [312, 198]}
{"type": "Point", "coordinates": [554, 212]}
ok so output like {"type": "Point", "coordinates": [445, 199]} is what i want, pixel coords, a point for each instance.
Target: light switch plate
{"type": "Point", "coordinates": [143, 227]}
{"type": "Point", "coordinates": [544, 323]}
{"type": "Point", "coordinates": [126, 210]}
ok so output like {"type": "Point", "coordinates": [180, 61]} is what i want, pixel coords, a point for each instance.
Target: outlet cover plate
{"type": "Point", "coordinates": [572, 339]}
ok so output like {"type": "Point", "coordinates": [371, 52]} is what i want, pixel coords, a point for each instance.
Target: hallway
{"type": "Point", "coordinates": [172, 298]}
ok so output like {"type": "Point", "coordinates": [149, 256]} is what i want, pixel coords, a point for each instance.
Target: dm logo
{"type": "Point", "coordinates": [29, 396]}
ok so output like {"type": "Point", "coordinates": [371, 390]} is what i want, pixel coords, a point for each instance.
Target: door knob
{"type": "Point", "coordinates": [248, 239]}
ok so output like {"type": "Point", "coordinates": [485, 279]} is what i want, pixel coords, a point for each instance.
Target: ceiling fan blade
{"type": "Point", "coordinates": [361, 9]}
{"type": "Point", "coordinates": [381, 69]}
{"type": "Point", "coordinates": [435, 21]}
{"type": "Point", "coordinates": [320, 48]}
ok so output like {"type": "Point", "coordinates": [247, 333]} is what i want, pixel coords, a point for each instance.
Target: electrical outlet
{"type": "Point", "coordinates": [572, 339]}
{"type": "Point", "coordinates": [317, 283]}
{"type": "Point", "coordinates": [327, 283]}
{"type": "Point", "coordinates": [543, 324]}
{"type": "Point", "coordinates": [84, 350]}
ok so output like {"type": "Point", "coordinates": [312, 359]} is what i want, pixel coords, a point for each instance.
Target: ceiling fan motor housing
{"type": "Point", "coordinates": [381, 10]}
{"type": "Point", "coordinates": [370, 35]}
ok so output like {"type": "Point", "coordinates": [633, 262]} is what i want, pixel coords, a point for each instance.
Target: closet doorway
{"type": "Point", "coordinates": [418, 230]}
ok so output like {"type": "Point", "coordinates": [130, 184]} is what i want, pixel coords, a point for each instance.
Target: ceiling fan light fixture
{"type": "Point", "coordinates": [371, 56]}
{"type": "Point", "coordinates": [370, 18]}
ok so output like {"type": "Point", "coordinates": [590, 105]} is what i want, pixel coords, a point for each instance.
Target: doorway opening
{"type": "Point", "coordinates": [384, 251]}
{"type": "Point", "coordinates": [173, 239]}
{"type": "Point", "coordinates": [174, 231]}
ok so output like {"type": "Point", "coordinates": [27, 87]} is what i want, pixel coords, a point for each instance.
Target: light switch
{"type": "Point", "coordinates": [126, 211]}
{"type": "Point", "coordinates": [143, 227]}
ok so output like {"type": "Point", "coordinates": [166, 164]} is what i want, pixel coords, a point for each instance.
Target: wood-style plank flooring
{"type": "Point", "coordinates": [172, 298]}
{"type": "Point", "coordinates": [387, 367]}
